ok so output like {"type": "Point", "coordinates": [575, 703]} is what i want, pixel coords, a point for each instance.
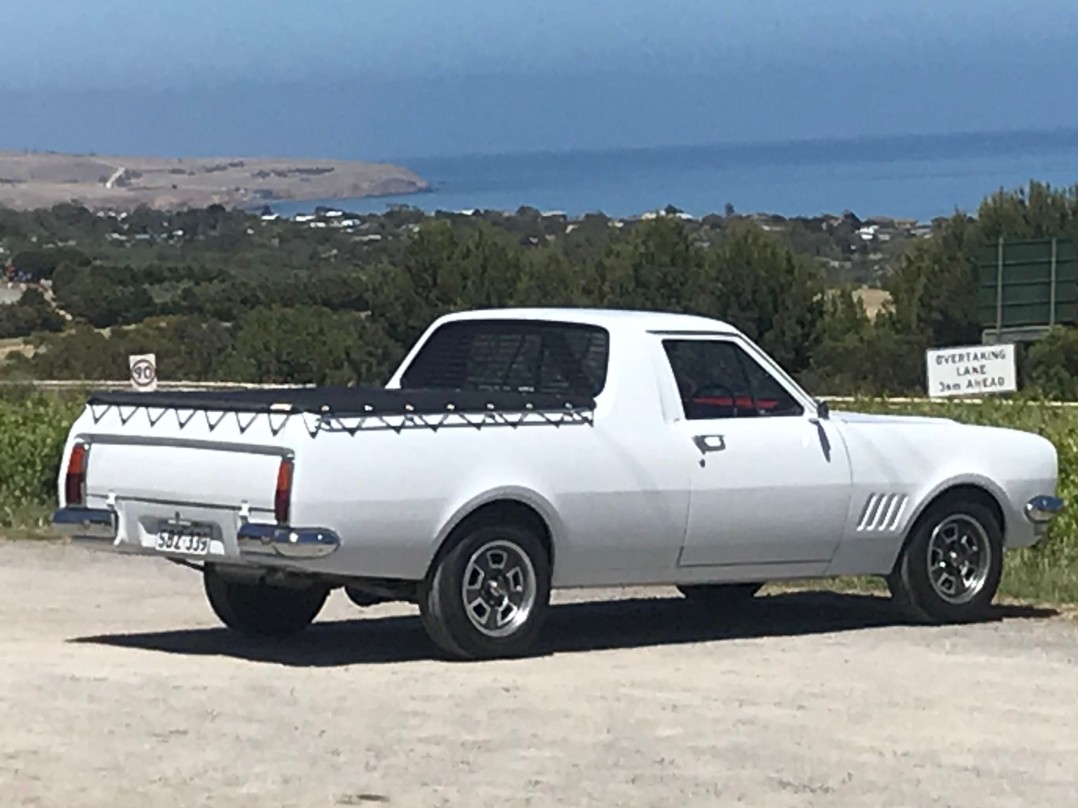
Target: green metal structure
{"type": "Point", "coordinates": [1026, 287]}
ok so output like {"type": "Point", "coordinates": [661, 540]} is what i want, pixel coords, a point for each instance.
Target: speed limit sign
{"type": "Point", "coordinates": [143, 371]}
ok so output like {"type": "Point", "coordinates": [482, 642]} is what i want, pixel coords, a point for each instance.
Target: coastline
{"type": "Point", "coordinates": [31, 180]}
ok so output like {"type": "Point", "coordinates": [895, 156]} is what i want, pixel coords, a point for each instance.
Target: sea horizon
{"type": "Point", "coordinates": [914, 176]}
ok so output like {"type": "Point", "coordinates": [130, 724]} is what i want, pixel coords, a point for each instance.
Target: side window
{"type": "Point", "coordinates": [512, 355]}
{"type": "Point", "coordinates": [718, 379]}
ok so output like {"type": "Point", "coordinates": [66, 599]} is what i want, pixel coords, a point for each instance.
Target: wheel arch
{"type": "Point", "coordinates": [516, 505]}
{"type": "Point", "coordinates": [978, 489]}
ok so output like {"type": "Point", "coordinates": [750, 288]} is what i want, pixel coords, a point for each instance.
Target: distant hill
{"type": "Point", "coordinates": [42, 179]}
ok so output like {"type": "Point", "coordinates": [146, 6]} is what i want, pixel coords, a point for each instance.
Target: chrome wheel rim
{"type": "Point", "coordinates": [959, 558]}
{"type": "Point", "coordinates": [499, 588]}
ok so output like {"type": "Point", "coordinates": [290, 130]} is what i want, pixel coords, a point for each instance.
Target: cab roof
{"type": "Point", "coordinates": [610, 319]}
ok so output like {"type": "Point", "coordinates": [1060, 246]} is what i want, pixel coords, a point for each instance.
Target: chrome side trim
{"type": "Point", "coordinates": [91, 438]}
{"type": "Point", "coordinates": [1043, 508]}
{"type": "Point", "coordinates": [94, 524]}
{"type": "Point", "coordinates": [255, 539]}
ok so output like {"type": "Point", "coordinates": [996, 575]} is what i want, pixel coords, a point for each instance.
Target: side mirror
{"type": "Point", "coordinates": [823, 410]}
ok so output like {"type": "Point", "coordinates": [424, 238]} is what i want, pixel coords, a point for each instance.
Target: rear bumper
{"type": "Point", "coordinates": [258, 542]}
{"type": "Point", "coordinates": [279, 541]}
{"type": "Point", "coordinates": [86, 524]}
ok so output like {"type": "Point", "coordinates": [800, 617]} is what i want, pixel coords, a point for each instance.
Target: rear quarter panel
{"type": "Point", "coordinates": [614, 493]}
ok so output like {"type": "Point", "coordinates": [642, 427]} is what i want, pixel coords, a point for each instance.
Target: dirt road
{"type": "Point", "coordinates": [117, 688]}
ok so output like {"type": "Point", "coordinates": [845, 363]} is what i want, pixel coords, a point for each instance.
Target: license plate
{"type": "Point", "coordinates": [184, 539]}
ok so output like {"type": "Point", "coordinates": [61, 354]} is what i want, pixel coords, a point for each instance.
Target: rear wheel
{"type": "Point", "coordinates": [719, 596]}
{"type": "Point", "coordinates": [261, 610]}
{"type": "Point", "coordinates": [488, 595]}
{"type": "Point", "coordinates": [952, 563]}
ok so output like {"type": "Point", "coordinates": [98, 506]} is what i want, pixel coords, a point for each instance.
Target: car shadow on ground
{"type": "Point", "coordinates": [571, 627]}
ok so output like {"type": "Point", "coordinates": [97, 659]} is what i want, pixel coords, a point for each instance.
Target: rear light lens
{"type": "Point", "coordinates": [282, 499]}
{"type": "Point", "coordinates": [75, 479]}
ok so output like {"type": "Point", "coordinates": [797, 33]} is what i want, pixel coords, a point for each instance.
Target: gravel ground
{"type": "Point", "coordinates": [118, 688]}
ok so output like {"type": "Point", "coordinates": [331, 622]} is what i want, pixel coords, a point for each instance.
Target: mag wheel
{"type": "Point", "coordinates": [488, 595]}
{"type": "Point", "coordinates": [260, 610]}
{"type": "Point", "coordinates": [951, 566]}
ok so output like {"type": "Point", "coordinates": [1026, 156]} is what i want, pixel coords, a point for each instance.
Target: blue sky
{"type": "Point", "coordinates": [418, 77]}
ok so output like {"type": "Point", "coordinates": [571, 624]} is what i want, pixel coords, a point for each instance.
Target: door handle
{"type": "Point", "coordinates": [709, 443]}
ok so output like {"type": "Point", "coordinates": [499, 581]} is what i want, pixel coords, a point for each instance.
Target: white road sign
{"type": "Point", "coordinates": [974, 371]}
{"type": "Point", "coordinates": [143, 371]}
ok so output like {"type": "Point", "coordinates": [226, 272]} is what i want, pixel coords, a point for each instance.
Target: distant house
{"type": "Point", "coordinates": [882, 221]}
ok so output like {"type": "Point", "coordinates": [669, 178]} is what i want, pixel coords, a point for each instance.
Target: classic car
{"type": "Point", "coordinates": [514, 451]}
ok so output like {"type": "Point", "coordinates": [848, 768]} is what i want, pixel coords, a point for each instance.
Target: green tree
{"type": "Point", "coordinates": [310, 344]}
{"type": "Point", "coordinates": [934, 288]}
{"type": "Point", "coordinates": [30, 313]}
{"type": "Point", "coordinates": [547, 278]}
{"type": "Point", "coordinates": [1052, 364]}
{"type": "Point", "coordinates": [760, 286]}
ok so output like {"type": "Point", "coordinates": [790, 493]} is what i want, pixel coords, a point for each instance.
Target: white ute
{"type": "Point", "coordinates": [519, 450]}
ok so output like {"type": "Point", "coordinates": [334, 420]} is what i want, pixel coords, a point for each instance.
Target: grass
{"type": "Point", "coordinates": [1026, 581]}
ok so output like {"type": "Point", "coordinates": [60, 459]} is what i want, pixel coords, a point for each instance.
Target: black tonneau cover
{"type": "Point", "coordinates": [342, 400]}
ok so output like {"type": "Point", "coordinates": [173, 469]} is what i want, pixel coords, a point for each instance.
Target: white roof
{"type": "Point", "coordinates": [610, 319]}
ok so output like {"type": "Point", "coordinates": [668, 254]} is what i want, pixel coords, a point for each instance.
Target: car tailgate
{"type": "Point", "coordinates": [212, 474]}
{"type": "Point", "coordinates": [154, 485]}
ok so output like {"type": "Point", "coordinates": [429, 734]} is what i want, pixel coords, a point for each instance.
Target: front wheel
{"type": "Point", "coordinates": [488, 595]}
{"type": "Point", "coordinates": [951, 566]}
{"type": "Point", "coordinates": [261, 610]}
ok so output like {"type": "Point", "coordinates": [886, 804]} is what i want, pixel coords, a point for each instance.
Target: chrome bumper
{"type": "Point", "coordinates": [99, 526]}
{"type": "Point", "coordinates": [279, 541]}
{"type": "Point", "coordinates": [1043, 509]}
{"type": "Point", "coordinates": [86, 524]}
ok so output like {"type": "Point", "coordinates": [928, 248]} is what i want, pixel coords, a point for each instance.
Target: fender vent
{"type": "Point", "coordinates": [882, 513]}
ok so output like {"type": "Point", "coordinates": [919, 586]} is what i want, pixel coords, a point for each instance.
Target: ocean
{"type": "Point", "coordinates": [916, 177]}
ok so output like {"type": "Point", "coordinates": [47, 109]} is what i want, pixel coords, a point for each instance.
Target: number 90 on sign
{"type": "Point", "coordinates": [143, 371]}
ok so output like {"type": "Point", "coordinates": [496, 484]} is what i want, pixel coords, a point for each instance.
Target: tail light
{"type": "Point", "coordinates": [282, 499]}
{"type": "Point", "coordinates": [75, 478]}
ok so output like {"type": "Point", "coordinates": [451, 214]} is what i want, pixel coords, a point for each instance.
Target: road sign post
{"type": "Point", "coordinates": [143, 371]}
{"type": "Point", "coordinates": [976, 370]}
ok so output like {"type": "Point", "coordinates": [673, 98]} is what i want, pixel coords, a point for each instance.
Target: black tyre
{"type": "Point", "coordinates": [260, 610]}
{"type": "Point", "coordinates": [488, 595]}
{"type": "Point", "coordinates": [719, 596]}
{"type": "Point", "coordinates": [951, 565]}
